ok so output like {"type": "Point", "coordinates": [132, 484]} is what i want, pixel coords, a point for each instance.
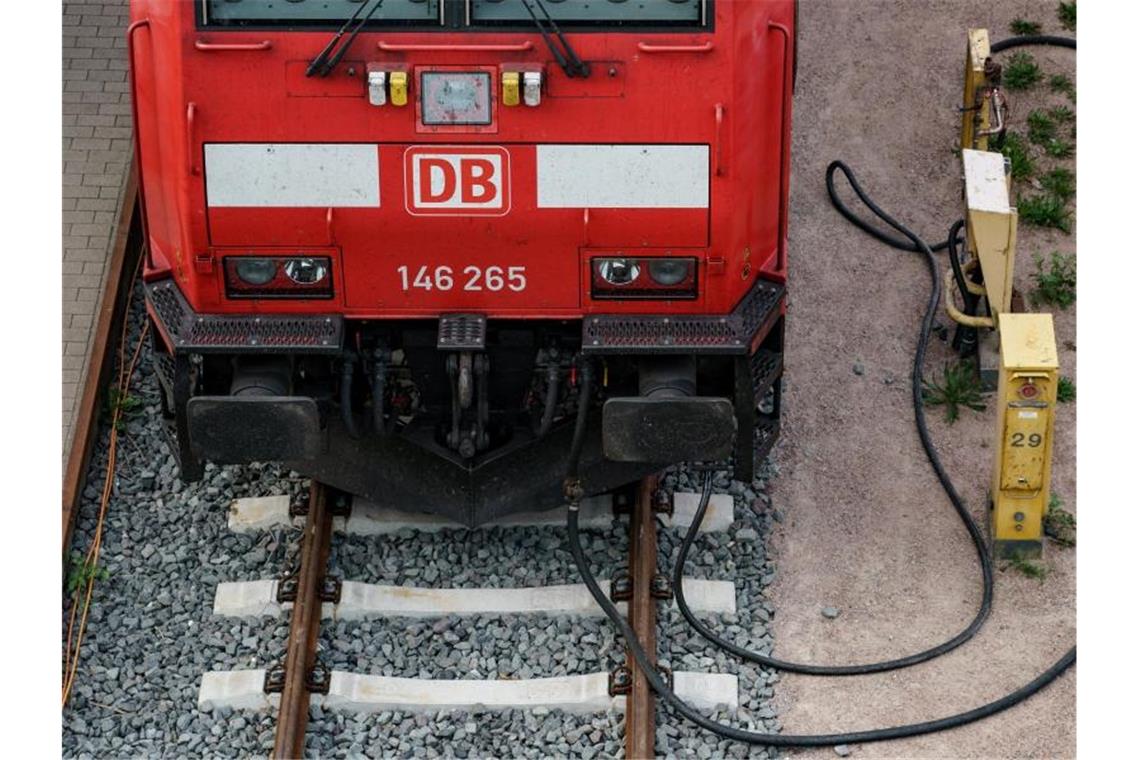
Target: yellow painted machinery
{"type": "Point", "coordinates": [1026, 398]}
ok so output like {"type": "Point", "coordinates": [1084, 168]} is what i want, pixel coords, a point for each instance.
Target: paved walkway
{"type": "Point", "coordinates": [96, 156]}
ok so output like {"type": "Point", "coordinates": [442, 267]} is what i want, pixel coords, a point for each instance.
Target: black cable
{"type": "Point", "coordinates": [1033, 39]}
{"type": "Point", "coordinates": [788, 740]}
{"type": "Point", "coordinates": [914, 729]}
{"type": "Point", "coordinates": [976, 535]}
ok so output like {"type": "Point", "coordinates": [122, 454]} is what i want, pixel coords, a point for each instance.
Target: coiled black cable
{"type": "Point", "coordinates": [896, 732]}
{"type": "Point", "coordinates": [975, 532]}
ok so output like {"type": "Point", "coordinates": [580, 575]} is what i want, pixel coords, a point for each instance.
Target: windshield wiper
{"type": "Point", "coordinates": [570, 62]}
{"type": "Point", "coordinates": [326, 60]}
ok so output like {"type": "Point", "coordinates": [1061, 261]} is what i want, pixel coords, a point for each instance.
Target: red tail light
{"type": "Point", "coordinates": [629, 277]}
{"type": "Point", "coordinates": [278, 277]}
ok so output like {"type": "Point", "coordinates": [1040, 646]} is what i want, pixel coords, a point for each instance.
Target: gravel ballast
{"type": "Point", "coordinates": [166, 545]}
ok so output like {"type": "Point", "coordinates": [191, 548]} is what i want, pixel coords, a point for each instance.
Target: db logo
{"type": "Point", "coordinates": [457, 181]}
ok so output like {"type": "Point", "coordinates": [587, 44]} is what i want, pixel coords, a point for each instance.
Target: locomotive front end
{"type": "Point", "coordinates": [399, 245]}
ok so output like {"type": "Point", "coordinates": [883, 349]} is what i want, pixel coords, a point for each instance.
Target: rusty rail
{"type": "Point", "coordinates": [300, 656]}
{"type": "Point", "coordinates": [640, 716]}
{"type": "Point", "coordinates": [124, 255]}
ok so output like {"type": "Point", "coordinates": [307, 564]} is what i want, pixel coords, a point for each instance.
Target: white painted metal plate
{"type": "Point", "coordinates": [986, 188]}
{"type": "Point", "coordinates": [623, 176]}
{"type": "Point", "coordinates": [284, 175]}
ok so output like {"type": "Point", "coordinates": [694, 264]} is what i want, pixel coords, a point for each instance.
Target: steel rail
{"type": "Point", "coordinates": [301, 652]}
{"type": "Point", "coordinates": [126, 248]}
{"type": "Point", "coordinates": [640, 716]}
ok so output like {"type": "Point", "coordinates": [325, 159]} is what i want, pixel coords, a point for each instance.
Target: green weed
{"type": "Point", "coordinates": [1066, 390]}
{"type": "Point", "coordinates": [1056, 285]}
{"type": "Point", "coordinates": [1059, 149]}
{"type": "Point", "coordinates": [1021, 163]}
{"type": "Point", "coordinates": [1062, 114]}
{"type": "Point", "coordinates": [1042, 128]}
{"type": "Point", "coordinates": [124, 403]}
{"type": "Point", "coordinates": [1067, 14]}
{"type": "Point", "coordinates": [1029, 568]}
{"type": "Point", "coordinates": [1021, 72]}
{"type": "Point", "coordinates": [1060, 524]}
{"type": "Point", "coordinates": [1020, 26]}
{"type": "Point", "coordinates": [1045, 211]}
{"type": "Point", "coordinates": [960, 386]}
{"type": "Point", "coordinates": [1061, 182]}
{"type": "Point", "coordinates": [80, 572]}
{"type": "Point", "coordinates": [1062, 83]}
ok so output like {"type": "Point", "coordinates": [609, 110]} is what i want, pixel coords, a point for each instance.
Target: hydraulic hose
{"type": "Point", "coordinates": [585, 392]}
{"type": "Point", "coordinates": [551, 405]}
{"type": "Point", "coordinates": [935, 462]}
{"type": "Point", "coordinates": [347, 369]}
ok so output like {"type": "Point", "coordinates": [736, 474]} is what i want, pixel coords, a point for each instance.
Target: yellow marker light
{"type": "Point", "coordinates": [510, 88]}
{"type": "Point", "coordinates": [398, 84]}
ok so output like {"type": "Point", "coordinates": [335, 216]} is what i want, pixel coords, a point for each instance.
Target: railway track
{"type": "Point", "coordinates": [298, 679]}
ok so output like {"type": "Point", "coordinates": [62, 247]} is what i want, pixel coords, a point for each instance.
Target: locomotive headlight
{"type": "Point", "coordinates": [255, 271]}
{"type": "Point", "coordinates": [618, 271]}
{"type": "Point", "coordinates": [670, 272]}
{"type": "Point", "coordinates": [306, 271]}
{"type": "Point", "coordinates": [644, 277]}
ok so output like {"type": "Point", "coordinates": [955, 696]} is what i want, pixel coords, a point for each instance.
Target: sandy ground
{"type": "Point", "coordinates": [866, 527]}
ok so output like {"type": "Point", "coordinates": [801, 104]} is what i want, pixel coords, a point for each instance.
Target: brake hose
{"type": "Point", "coordinates": [896, 732]}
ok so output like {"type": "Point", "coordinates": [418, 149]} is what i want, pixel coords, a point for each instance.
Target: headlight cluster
{"type": "Point", "coordinates": [625, 277]}
{"type": "Point", "coordinates": [278, 277]}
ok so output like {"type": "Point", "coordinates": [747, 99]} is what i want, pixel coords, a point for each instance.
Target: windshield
{"type": "Point", "coordinates": [333, 13]}
{"type": "Point", "coordinates": [315, 12]}
{"type": "Point", "coordinates": [610, 12]}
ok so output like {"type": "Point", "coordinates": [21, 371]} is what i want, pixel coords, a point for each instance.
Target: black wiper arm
{"type": "Point", "coordinates": [570, 62]}
{"type": "Point", "coordinates": [326, 61]}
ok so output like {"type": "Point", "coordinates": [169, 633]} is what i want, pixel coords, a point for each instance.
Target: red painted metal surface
{"type": "Point", "coordinates": [727, 89]}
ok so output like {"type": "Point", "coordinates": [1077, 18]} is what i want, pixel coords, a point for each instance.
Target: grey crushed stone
{"type": "Point", "coordinates": [166, 545]}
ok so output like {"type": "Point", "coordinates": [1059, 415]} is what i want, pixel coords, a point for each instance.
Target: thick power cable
{"type": "Point", "coordinates": [986, 562]}
{"type": "Point", "coordinates": [788, 740]}
{"type": "Point", "coordinates": [975, 532]}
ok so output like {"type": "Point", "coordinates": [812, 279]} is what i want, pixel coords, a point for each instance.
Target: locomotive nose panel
{"type": "Point", "coordinates": [479, 227]}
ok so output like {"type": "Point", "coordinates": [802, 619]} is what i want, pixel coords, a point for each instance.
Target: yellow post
{"type": "Point", "coordinates": [991, 224]}
{"type": "Point", "coordinates": [1026, 396]}
{"type": "Point", "coordinates": [976, 92]}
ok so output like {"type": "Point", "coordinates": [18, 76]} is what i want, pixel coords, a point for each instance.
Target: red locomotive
{"type": "Point", "coordinates": [399, 243]}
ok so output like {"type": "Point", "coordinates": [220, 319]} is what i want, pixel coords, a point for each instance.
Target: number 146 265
{"type": "Point", "coordinates": [471, 278]}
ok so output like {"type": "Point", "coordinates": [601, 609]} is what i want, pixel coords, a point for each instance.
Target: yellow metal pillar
{"type": "Point", "coordinates": [976, 92]}
{"type": "Point", "coordinates": [1027, 397]}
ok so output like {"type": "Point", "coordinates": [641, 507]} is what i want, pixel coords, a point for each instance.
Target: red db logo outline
{"type": "Point", "coordinates": [457, 180]}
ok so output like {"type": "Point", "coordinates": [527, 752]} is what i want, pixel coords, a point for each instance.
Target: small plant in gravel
{"type": "Point", "coordinates": [1045, 211]}
{"type": "Point", "coordinates": [1022, 72]}
{"type": "Point", "coordinates": [1020, 26]}
{"type": "Point", "coordinates": [1061, 182]}
{"type": "Point", "coordinates": [1066, 390]}
{"type": "Point", "coordinates": [1059, 149]}
{"type": "Point", "coordinates": [959, 386]}
{"type": "Point", "coordinates": [123, 403]}
{"type": "Point", "coordinates": [80, 572]}
{"type": "Point", "coordinates": [1021, 164]}
{"type": "Point", "coordinates": [1042, 128]}
{"type": "Point", "coordinates": [1029, 568]}
{"type": "Point", "coordinates": [1062, 114]}
{"type": "Point", "coordinates": [1062, 83]}
{"type": "Point", "coordinates": [1056, 284]}
{"type": "Point", "coordinates": [1067, 15]}
{"type": "Point", "coordinates": [1060, 524]}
